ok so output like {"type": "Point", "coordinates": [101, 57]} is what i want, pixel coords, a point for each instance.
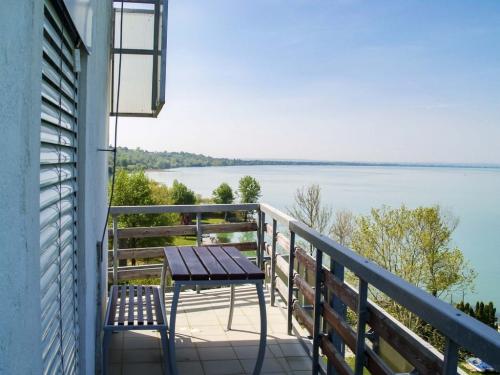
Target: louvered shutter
{"type": "Point", "coordinates": [58, 201]}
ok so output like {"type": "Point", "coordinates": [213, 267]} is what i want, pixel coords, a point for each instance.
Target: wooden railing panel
{"type": "Point", "coordinates": [157, 252]}
{"type": "Point", "coordinates": [183, 230]}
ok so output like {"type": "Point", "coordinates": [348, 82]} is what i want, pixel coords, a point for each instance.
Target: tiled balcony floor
{"type": "Point", "coordinates": [203, 346]}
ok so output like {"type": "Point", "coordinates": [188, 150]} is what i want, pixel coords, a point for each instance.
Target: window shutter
{"type": "Point", "coordinates": [58, 201]}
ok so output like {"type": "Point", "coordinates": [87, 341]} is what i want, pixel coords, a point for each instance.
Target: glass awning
{"type": "Point", "coordinates": [140, 42]}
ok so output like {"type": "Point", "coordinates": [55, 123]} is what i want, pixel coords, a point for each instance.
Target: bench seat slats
{"type": "Point", "coordinates": [193, 264]}
{"type": "Point", "coordinates": [149, 312]}
{"type": "Point", "coordinates": [217, 272]}
{"type": "Point", "coordinates": [252, 271]}
{"type": "Point", "coordinates": [131, 303]}
{"type": "Point", "coordinates": [127, 305]}
{"type": "Point", "coordinates": [123, 298]}
{"type": "Point", "coordinates": [140, 320]}
{"type": "Point", "coordinates": [158, 310]}
{"type": "Point", "coordinates": [176, 264]}
{"type": "Point", "coordinates": [233, 270]}
{"type": "Point", "coordinates": [210, 263]}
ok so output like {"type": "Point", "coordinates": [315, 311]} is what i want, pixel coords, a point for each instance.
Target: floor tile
{"type": "Point", "coordinates": [226, 367]}
{"type": "Point", "coordinates": [204, 347]}
{"type": "Point", "coordinates": [210, 353]}
{"type": "Point", "coordinates": [142, 369]}
{"type": "Point", "coordinates": [142, 355]}
{"type": "Point", "coordinates": [189, 368]}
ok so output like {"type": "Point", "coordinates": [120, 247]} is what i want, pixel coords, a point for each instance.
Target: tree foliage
{"type": "Point", "coordinates": [309, 208]}
{"type": "Point", "coordinates": [343, 226]}
{"type": "Point", "coordinates": [483, 312]}
{"type": "Point", "coordinates": [223, 194]}
{"type": "Point", "coordinates": [181, 194]}
{"type": "Point", "coordinates": [249, 190]}
{"type": "Point", "coordinates": [138, 159]}
{"type": "Point", "coordinates": [136, 189]}
{"type": "Point", "coordinates": [414, 244]}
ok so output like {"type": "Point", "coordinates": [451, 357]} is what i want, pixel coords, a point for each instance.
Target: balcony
{"type": "Point", "coordinates": [309, 330]}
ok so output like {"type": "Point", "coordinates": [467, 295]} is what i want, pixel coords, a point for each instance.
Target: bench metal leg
{"type": "Point", "coordinates": [166, 357]}
{"type": "Point", "coordinates": [263, 329]}
{"type": "Point", "coordinates": [231, 309]}
{"type": "Point", "coordinates": [171, 341]}
{"type": "Point", "coordinates": [105, 350]}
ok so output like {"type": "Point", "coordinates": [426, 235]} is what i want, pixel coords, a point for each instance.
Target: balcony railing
{"type": "Point", "coordinates": [317, 295]}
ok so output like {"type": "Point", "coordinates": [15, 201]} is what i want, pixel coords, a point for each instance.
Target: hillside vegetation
{"type": "Point", "coordinates": [138, 159]}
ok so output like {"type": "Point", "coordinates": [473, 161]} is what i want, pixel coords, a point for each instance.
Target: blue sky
{"type": "Point", "coordinates": [397, 80]}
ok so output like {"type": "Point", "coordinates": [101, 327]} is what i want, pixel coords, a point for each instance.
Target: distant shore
{"type": "Point", "coordinates": [137, 159]}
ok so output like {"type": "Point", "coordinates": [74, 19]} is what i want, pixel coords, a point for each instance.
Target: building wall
{"type": "Point", "coordinates": [93, 173]}
{"type": "Point", "coordinates": [20, 87]}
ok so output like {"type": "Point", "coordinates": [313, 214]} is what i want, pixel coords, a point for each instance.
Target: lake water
{"type": "Point", "coordinates": [473, 195]}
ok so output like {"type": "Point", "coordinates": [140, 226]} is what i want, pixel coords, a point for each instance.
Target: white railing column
{"type": "Point", "coordinates": [291, 261]}
{"type": "Point", "coordinates": [115, 249]}
{"type": "Point", "coordinates": [273, 263]}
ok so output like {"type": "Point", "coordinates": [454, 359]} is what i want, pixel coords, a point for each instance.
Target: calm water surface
{"type": "Point", "coordinates": [473, 195]}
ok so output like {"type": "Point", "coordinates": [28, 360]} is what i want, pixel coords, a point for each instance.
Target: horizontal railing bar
{"type": "Point", "coordinates": [140, 267]}
{"type": "Point", "coordinates": [157, 252]}
{"type": "Point", "coordinates": [184, 209]}
{"type": "Point", "coordinates": [374, 363]}
{"type": "Point", "coordinates": [414, 349]}
{"type": "Point", "coordinates": [136, 272]}
{"type": "Point", "coordinates": [336, 359]}
{"type": "Point", "coordinates": [466, 331]}
{"type": "Point", "coordinates": [139, 253]}
{"type": "Point", "coordinates": [303, 317]}
{"type": "Point", "coordinates": [183, 230]}
{"type": "Point", "coordinates": [418, 352]}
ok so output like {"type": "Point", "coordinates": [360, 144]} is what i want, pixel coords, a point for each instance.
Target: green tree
{"type": "Point", "coordinates": [414, 244]}
{"type": "Point", "coordinates": [136, 189]}
{"type": "Point", "coordinates": [483, 312]}
{"type": "Point", "coordinates": [223, 194]}
{"type": "Point", "coordinates": [133, 189]}
{"type": "Point", "coordinates": [249, 190]}
{"type": "Point", "coordinates": [181, 194]}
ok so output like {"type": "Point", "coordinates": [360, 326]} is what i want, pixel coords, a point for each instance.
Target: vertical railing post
{"type": "Point", "coordinates": [262, 234]}
{"type": "Point", "coordinates": [115, 249]}
{"type": "Point", "coordinates": [339, 307]}
{"type": "Point", "coordinates": [450, 358]}
{"type": "Point", "coordinates": [291, 261]}
{"type": "Point", "coordinates": [198, 229]}
{"type": "Point", "coordinates": [317, 311]}
{"type": "Point", "coordinates": [362, 318]}
{"type": "Point", "coordinates": [199, 240]}
{"type": "Point", "coordinates": [273, 263]}
{"type": "Point", "coordinates": [259, 236]}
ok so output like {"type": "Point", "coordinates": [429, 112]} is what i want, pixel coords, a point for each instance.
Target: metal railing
{"type": "Point", "coordinates": [321, 307]}
{"type": "Point", "coordinates": [119, 273]}
{"type": "Point", "coordinates": [331, 294]}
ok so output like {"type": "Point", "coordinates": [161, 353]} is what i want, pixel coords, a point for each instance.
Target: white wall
{"type": "Point", "coordinates": [93, 179]}
{"type": "Point", "coordinates": [20, 71]}
{"type": "Point", "coordinates": [20, 87]}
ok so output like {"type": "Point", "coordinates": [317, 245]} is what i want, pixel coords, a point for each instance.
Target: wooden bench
{"type": "Point", "coordinates": [212, 266]}
{"type": "Point", "coordinates": [135, 307]}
